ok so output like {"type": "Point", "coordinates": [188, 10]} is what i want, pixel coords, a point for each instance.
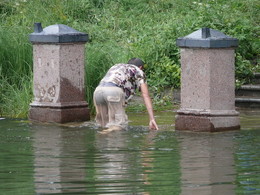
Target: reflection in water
{"type": "Point", "coordinates": [80, 160]}
{"type": "Point", "coordinates": [16, 158]}
{"type": "Point", "coordinates": [118, 169]}
{"type": "Point", "coordinates": [58, 163]}
{"type": "Point", "coordinates": [207, 163]}
{"type": "Point", "coordinates": [136, 162]}
{"type": "Point", "coordinates": [76, 159]}
{"type": "Point", "coordinates": [111, 172]}
{"type": "Point", "coordinates": [47, 145]}
{"type": "Point", "coordinates": [247, 158]}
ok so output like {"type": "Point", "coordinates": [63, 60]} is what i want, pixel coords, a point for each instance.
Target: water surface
{"type": "Point", "coordinates": [77, 159]}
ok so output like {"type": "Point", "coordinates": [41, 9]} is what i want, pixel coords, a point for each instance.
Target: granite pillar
{"type": "Point", "coordinates": [59, 73]}
{"type": "Point", "coordinates": [207, 82]}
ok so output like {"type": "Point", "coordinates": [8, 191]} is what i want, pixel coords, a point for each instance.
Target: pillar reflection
{"type": "Point", "coordinates": [207, 163]}
{"type": "Point", "coordinates": [58, 164]}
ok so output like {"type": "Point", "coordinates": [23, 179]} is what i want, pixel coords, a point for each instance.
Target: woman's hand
{"type": "Point", "coordinates": [153, 125]}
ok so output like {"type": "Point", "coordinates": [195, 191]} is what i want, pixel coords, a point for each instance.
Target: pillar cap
{"type": "Point", "coordinates": [207, 38]}
{"type": "Point", "coordinates": [58, 33]}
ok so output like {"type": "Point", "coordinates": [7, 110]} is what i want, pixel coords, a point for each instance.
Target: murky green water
{"type": "Point", "coordinates": [77, 159]}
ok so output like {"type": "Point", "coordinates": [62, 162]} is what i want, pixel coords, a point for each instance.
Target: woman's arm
{"type": "Point", "coordinates": [149, 106]}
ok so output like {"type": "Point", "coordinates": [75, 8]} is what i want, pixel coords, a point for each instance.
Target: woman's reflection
{"type": "Point", "coordinates": [123, 166]}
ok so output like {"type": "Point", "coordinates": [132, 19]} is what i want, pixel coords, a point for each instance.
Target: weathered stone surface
{"type": "Point", "coordinates": [201, 123]}
{"type": "Point", "coordinates": [58, 72]}
{"type": "Point", "coordinates": [59, 86]}
{"type": "Point", "coordinates": [207, 89]}
{"type": "Point", "coordinates": [207, 80]}
{"type": "Point", "coordinates": [59, 115]}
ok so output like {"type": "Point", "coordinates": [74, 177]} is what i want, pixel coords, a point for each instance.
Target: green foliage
{"type": "Point", "coordinates": [164, 73]}
{"type": "Point", "coordinates": [16, 98]}
{"type": "Point", "coordinates": [119, 30]}
{"type": "Point", "coordinates": [243, 70]}
{"type": "Point", "coordinates": [15, 72]}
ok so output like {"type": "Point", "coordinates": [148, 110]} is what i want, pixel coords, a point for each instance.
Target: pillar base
{"type": "Point", "coordinates": [202, 123]}
{"type": "Point", "coordinates": [59, 114]}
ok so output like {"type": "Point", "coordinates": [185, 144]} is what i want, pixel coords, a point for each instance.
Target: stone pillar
{"type": "Point", "coordinates": [58, 83]}
{"type": "Point", "coordinates": [207, 82]}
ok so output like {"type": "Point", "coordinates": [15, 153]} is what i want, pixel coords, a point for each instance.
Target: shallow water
{"type": "Point", "coordinates": [77, 159]}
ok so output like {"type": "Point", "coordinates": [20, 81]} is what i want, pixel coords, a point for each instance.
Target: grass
{"type": "Point", "coordinates": [119, 30]}
{"type": "Point", "coordinates": [18, 105]}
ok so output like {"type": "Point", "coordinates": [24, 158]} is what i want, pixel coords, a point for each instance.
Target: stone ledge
{"type": "Point", "coordinates": [59, 115]}
{"type": "Point", "coordinates": [206, 124]}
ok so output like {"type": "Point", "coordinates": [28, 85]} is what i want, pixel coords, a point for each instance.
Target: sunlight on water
{"type": "Point", "coordinates": [76, 158]}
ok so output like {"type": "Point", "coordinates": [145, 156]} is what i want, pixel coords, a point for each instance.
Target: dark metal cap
{"type": "Point", "coordinates": [57, 33]}
{"type": "Point", "coordinates": [207, 38]}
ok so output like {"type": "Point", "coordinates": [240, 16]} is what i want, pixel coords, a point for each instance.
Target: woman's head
{"type": "Point", "coordinates": [137, 62]}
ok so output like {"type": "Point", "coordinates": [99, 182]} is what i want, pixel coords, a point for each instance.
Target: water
{"type": "Point", "coordinates": [78, 159]}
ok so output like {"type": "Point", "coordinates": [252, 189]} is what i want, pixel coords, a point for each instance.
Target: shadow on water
{"type": "Point", "coordinates": [77, 159]}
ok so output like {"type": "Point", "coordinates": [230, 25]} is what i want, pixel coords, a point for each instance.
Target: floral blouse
{"type": "Point", "coordinates": [127, 76]}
